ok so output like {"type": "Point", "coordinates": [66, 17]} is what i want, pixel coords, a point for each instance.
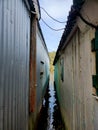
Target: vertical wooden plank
{"type": "Point", "coordinates": [33, 66]}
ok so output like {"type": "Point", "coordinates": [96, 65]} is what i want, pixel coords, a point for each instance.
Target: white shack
{"type": "Point", "coordinates": [76, 67]}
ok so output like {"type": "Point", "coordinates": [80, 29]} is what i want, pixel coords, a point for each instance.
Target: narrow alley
{"type": "Point", "coordinates": [50, 115]}
{"type": "Point", "coordinates": [48, 65]}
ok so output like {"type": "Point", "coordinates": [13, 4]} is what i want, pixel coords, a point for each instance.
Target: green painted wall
{"type": "Point", "coordinates": [57, 78]}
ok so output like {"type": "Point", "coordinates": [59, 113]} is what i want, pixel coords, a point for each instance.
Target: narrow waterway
{"type": "Point", "coordinates": [52, 104]}
{"type": "Point", "coordinates": [50, 115]}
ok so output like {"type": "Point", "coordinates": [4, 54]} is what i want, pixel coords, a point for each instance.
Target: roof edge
{"type": "Point", "coordinates": [42, 36]}
{"type": "Point", "coordinates": [71, 22]}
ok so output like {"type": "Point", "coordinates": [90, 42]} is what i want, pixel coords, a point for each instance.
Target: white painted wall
{"type": "Point", "coordinates": [76, 90]}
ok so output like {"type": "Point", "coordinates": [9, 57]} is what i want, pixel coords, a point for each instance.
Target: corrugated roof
{"type": "Point", "coordinates": [77, 4]}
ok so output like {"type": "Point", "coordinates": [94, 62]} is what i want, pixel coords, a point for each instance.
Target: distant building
{"type": "Point", "coordinates": [76, 67]}
{"type": "Point", "coordinates": [22, 68]}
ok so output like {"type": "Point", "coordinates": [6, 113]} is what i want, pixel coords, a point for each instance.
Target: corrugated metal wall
{"type": "Point", "coordinates": [42, 60]}
{"type": "Point", "coordinates": [14, 64]}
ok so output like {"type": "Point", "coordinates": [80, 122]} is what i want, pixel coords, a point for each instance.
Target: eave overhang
{"type": "Point", "coordinates": [70, 27]}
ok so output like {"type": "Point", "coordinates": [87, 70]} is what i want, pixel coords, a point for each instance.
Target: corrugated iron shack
{"type": "Point", "coordinates": [76, 67]}
{"type": "Point", "coordinates": [19, 90]}
{"type": "Point", "coordinates": [39, 71]}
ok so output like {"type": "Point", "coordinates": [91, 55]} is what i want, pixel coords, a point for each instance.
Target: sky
{"type": "Point", "coordinates": [58, 9]}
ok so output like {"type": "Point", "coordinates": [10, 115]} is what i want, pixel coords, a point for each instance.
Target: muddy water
{"type": "Point", "coordinates": [50, 115]}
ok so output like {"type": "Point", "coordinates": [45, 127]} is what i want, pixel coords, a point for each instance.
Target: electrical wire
{"type": "Point", "coordinates": [49, 14]}
{"type": "Point", "coordinates": [84, 20]}
{"type": "Point", "coordinates": [87, 22]}
{"type": "Point", "coordinates": [51, 27]}
{"type": "Point", "coordinates": [52, 17]}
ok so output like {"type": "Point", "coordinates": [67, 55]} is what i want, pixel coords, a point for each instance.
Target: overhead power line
{"type": "Point", "coordinates": [49, 14]}
{"type": "Point", "coordinates": [52, 17]}
{"type": "Point", "coordinates": [51, 27]}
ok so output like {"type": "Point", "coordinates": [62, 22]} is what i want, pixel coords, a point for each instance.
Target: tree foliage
{"type": "Point", "coordinates": [52, 56]}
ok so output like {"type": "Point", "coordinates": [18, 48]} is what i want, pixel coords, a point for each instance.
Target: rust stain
{"type": "Point", "coordinates": [33, 66]}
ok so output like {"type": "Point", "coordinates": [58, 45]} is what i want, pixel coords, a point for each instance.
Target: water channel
{"type": "Point", "coordinates": [50, 115]}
